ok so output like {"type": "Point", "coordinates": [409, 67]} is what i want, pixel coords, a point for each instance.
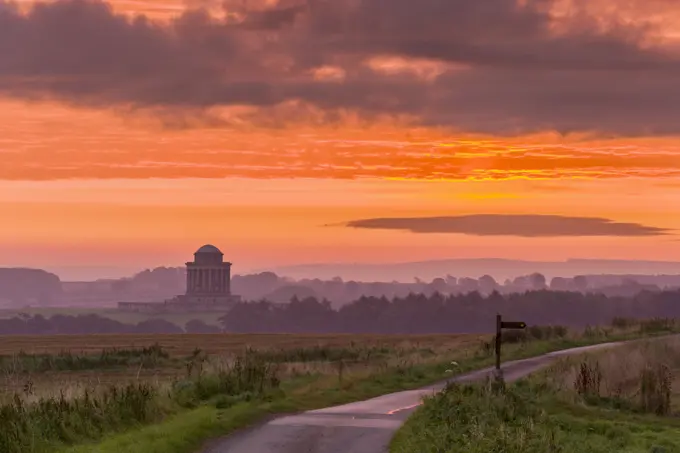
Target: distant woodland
{"type": "Point", "coordinates": [413, 314]}
{"type": "Point", "coordinates": [437, 313]}
{"type": "Point", "coordinates": [27, 287]}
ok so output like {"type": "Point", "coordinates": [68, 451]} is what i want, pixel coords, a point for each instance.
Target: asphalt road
{"type": "Point", "coordinates": [364, 426]}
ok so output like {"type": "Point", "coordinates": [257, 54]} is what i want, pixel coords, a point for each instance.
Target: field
{"type": "Point", "coordinates": [620, 400]}
{"type": "Point", "coordinates": [214, 344]}
{"type": "Point", "coordinates": [169, 393]}
{"type": "Point", "coordinates": [165, 376]}
{"type": "Point", "coordinates": [73, 363]}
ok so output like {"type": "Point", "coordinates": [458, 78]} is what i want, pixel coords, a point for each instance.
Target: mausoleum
{"type": "Point", "coordinates": [208, 287]}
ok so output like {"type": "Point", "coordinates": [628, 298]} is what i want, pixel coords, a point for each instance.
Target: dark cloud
{"type": "Point", "coordinates": [520, 74]}
{"type": "Point", "coordinates": [273, 19]}
{"type": "Point", "coordinates": [511, 225]}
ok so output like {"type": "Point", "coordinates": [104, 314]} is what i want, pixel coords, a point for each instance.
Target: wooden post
{"type": "Point", "coordinates": [500, 325]}
{"type": "Point", "coordinates": [498, 343]}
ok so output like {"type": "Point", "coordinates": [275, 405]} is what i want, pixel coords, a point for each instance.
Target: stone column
{"type": "Point", "coordinates": [193, 279]}
{"type": "Point", "coordinates": [218, 277]}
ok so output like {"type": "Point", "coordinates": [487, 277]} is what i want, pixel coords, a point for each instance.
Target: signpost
{"type": "Point", "coordinates": [500, 325]}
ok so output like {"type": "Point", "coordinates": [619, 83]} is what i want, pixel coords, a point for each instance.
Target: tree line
{"type": "Point", "coordinates": [413, 314]}
{"type": "Point", "coordinates": [93, 324]}
{"type": "Point", "coordinates": [437, 313]}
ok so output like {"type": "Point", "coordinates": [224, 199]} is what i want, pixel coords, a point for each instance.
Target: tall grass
{"type": "Point", "coordinates": [38, 426]}
{"type": "Point", "coordinates": [479, 419]}
{"type": "Point", "coordinates": [23, 362]}
{"type": "Point", "coordinates": [33, 427]}
{"type": "Point", "coordinates": [526, 418]}
{"type": "Point", "coordinates": [621, 399]}
{"type": "Point", "coordinates": [323, 354]}
{"type": "Point", "coordinates": [637, 377]}
{"type": "Point", "coordinates": [653, 325]}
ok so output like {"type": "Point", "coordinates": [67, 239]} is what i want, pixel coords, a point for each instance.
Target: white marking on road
{"type": "Point", "coordinates": [310, 420]}
{"type": "Point", "coordinates": [379, 405]}
{"type": "Point", "coordinates": [392, 412]}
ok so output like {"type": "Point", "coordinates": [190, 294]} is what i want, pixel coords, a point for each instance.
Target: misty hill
{"type": "Point", "coordinates": [38, 288]}
{"type": "Point", "coordinates": [500, 269]}
{"type": "Point", "coordinates": [21, 286]}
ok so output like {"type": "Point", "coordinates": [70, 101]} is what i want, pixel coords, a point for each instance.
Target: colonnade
{"type": "Point", "coordinates": [208, 280]}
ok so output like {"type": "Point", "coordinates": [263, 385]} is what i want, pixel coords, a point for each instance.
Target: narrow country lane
{"type": "Point", "coordinates": [364, 426]}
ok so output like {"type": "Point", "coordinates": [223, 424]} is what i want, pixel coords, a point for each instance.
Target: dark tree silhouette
{"type": "Point", "coordinates": [418, 313]}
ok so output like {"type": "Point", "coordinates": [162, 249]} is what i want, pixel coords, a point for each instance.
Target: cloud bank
{"type": "Point", "coordinates": [495, 66]}
{"type": "Point", "coordinates": [512, 225]}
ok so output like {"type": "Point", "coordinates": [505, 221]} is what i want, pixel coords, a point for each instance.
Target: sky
{"type": "Point", "coordinates": [304, 131]}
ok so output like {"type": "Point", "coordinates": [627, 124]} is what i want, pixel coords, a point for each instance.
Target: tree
{"type": "Point", "coordinates": [537, 281]}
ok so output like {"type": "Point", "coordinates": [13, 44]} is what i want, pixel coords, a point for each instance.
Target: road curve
{"type": "Point", "coordinates": [364, 426]}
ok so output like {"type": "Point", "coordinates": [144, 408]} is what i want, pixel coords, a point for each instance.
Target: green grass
{"type": "Point", "coordinates": [182, 432]}
{"type": "Point", "coordinates": [528, 419]}
{"type": "Point", "coordinates": [574, 406]}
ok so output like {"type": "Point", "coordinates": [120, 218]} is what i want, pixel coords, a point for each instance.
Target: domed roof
{"type": "Point", "coordinates": [209, 249]}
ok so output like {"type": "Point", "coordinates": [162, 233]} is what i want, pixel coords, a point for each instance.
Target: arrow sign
{"type": "Point", "coordinates": [513, 325]}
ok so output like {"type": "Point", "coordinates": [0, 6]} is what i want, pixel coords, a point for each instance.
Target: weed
{"type": "Point", "coordinates": [588, 380]}
{"type": "Point", "coordinates": [655, 389]}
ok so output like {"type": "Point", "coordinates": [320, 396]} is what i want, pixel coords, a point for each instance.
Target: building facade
{"type": "Point", "coordinates": [208, 276]}
{"type": "Point", "coordinates": [208, 287]}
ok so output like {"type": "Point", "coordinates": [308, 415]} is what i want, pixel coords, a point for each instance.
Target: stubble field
{"type": "Point", "coordinates": [35, 367]}
{"type": "Point", "coordinates": [183, 344]}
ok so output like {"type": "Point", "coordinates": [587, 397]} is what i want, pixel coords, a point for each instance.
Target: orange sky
{"type": "Point", "coordinates": [123, 190]}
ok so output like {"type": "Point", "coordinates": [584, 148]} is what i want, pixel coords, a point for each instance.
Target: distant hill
{"type": "Point", "coordinates": [500, 269]}
{"type": "Point", "coordinates": [343, 283]}
{"type": "Point", "coordinates": [28, 286]}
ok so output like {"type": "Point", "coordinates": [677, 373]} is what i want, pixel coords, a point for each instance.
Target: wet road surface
{"type": "Point", "coordinates": [364, 426]}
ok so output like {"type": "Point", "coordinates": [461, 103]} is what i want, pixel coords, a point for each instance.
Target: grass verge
{"type": "Point", "coordinates": [528, 419]}
{"type": "Point", "coordinates": [618, 400]}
